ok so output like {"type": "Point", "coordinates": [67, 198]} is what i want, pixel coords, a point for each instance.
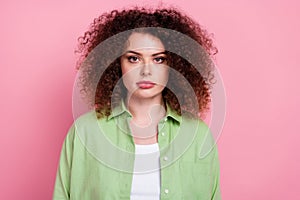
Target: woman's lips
{"type": "Point", "coordinates": [145, 84]}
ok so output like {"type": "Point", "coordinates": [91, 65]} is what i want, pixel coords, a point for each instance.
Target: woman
{"type": "Point", "coordinates": [148, 75]}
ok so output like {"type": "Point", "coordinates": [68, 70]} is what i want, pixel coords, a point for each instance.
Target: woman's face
{"type": "Point", "coordinates": [144, 66]}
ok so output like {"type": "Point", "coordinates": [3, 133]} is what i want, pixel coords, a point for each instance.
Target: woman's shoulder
{"type": "Point", "coordinates": [83, 123]}
{"type": "Point", "coordinates": [87, 117]}
{"type": "Point", "coordinates": [204, 140]}
{"type": "Point", "coordinates": [197, 123]}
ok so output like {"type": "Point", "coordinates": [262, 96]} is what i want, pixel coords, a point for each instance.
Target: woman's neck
{"type": "Point", "coordinates": [146, 114]}
{"type": "Point", "coordinates": [145, 111]}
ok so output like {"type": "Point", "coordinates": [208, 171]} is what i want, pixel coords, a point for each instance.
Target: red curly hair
{"type": "Point", "coordinates": [99, 76]}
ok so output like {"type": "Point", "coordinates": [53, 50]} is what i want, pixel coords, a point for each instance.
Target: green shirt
{"type": "Point", "coordinates": [97, 159]}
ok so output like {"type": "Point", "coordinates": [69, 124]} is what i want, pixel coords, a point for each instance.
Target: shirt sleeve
{"type": "Point", "coordinates": [216, 193]}
{"type": "Point", "coordinates": [209, 151]}
{"type": "Point", "coordinates": [62, 183]}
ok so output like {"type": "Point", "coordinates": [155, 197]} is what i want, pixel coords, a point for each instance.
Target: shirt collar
{"type": "Point", "coordinates": [120, 110]}
{"type": "Point", "coordinates": [173, 114]}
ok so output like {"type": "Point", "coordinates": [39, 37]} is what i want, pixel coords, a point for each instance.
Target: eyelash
{"type": "Point", "coordinates": [129, 58]}
{"type": "Point", "coordinates": [163, 59]}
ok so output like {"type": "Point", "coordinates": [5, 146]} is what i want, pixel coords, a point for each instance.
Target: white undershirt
{"type": "Point", "coordinates": [146, 175]}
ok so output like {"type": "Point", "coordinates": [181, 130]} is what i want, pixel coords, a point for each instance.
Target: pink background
{"type": "Point", "coordinates": [258, 58]}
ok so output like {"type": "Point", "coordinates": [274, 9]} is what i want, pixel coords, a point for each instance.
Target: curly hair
{"type": "Point", "coordinates": [100, 75]}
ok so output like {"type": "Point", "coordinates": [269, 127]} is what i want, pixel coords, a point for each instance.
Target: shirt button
{"type": "Point", "coordinates": [165, 158]}
{"type": "Point", "coordinates": [166, 119]}
{"type": "Point", "coordinates": [163, 134]}
{"type": "Point", "coordinates": [166, 191]}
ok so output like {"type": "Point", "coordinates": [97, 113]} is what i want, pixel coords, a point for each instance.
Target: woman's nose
{"type": "Point", "coordinates": [146, 69]}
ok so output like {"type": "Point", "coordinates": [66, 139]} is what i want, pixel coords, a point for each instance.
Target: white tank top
{"type": "Point", "coordinates": [146, 175]}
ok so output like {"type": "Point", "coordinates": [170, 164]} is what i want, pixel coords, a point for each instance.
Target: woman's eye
{"type": "Point", "coordinates": [133, 59]}
{"type": "Point", "coordinates": [159, 59]}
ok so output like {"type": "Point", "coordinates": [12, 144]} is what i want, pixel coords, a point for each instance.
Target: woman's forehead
{"type": "Point", "coordinates": [144, 42]}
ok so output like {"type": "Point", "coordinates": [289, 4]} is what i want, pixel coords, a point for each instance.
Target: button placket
{"type": "Point", "coordinates": [129, 147]}
{"type": "Point", "coordinates": [162, 124]}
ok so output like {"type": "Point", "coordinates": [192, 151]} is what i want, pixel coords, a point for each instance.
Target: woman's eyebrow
{"type": "Point", "coordinates": [134, 52]}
